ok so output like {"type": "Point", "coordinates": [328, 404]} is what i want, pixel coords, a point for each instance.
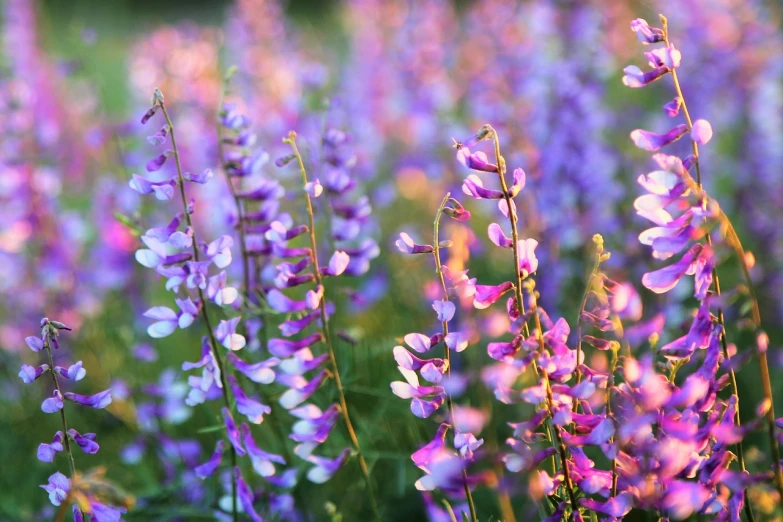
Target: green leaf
{"type": "Point", "coordinates": [450, 511]}
{"type": "Point", "coordinates": [211, 429]}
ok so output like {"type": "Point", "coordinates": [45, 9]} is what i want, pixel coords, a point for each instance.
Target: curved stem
{"type": "Point", "coordinates": [63, 419]}
{"type": "Point", "coordinates": [447, 350]}
{"type": "Point", "coordinates": [715, 278]}
{"type": "Point", "coordinates": [512, 217]}
{"type": "Point", "coordinates": [291, 140]}
{"type": "Point", "coordinates": [212, 341]}
{"type": "Point", "coordinates": [237, 202]}
{"type": "Point", "coordinates": [582, 305]}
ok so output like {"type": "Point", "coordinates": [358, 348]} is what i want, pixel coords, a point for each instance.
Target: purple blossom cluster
{"type": "Point", "coordinates": [658, 401]}
{"type": "Point", "coordinates": [76, 490]}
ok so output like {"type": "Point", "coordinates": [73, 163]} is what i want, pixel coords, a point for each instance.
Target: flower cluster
{"type": "Point", "coordinates": [445, 465]}
{"type": "Point", "coordinates": [177, 255]}
{"type": "Point", "coordinates": [76, 490]}
{"type": "Point", "coordinates": [297, 358]}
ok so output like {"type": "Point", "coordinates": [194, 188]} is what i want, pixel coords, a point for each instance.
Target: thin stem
{"type": "Point", "coordinates": [237, 201]}
{"type": "Point", "coordinates": [447, 350]}
{"type": "Point", "coordinates": [716, 282]}
{"type": "Point", "coordinates": [582, 305]}
{"type": "Point", "coordinates": [204, 314]}
{"type": "Point", "coordinates": [512, 217]}
{"type": "Point", "coordinates": [291, 140]}
{"type": "Point", "coordinates": [736, 244]}
{"type": "Point", "coordinates": [67, 441]}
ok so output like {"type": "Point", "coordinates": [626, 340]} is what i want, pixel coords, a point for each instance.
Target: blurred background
{"type": "Point", "coordinates": [402, 78]}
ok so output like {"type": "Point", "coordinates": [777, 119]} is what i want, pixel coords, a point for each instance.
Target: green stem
{"type": "Point", "coordinates": [447, 350]}
{"type": "Point", "coordinates": [212, 341]}
{"type": "Point", "coordinates": [716, 282]}
{"type": "Point", "coordinates": [291, 140]}
{"type": "Point", "coordinates": [512, 217]}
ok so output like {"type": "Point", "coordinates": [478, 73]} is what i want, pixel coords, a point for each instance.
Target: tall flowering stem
{"type": "Point", "coordinates": [234, 194]}
{"type": "Point", "coordinates": [291, 140]}
{"type": "Point", "coordinates": [491, 133]}
{"type": "Point", "coordinates": [204, 314]}
{"type": "Point", "coordinates": [447, 350]}
{"type": "Point", "coordinates": [80, 491]}
{"type": "Point", "coordinates": [47, 330]}
{"type": "Point", "coordinates": [737, 245]}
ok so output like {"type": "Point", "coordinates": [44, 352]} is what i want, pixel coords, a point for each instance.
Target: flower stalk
{"type": "Point", "coordinates": [204, 314]}
{"type": "Point", "coordinates": [316, 270]}
{"type": "Point", "coordinates": [447, 350]}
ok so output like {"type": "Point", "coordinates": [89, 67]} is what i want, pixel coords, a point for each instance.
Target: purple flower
{"type": "Point", "coordinates": [86, 442]}
{"type": "Point", "coordinates": [406, 245]}
{"type": "Point", "coordinates": [650, 141]}
{"type": "Point", "coordinates": [219, 251]}
{"type": "Point", "coordinates": [526, 250]}
{"type": "Point", "coordinates": [53, 404]}
{"type": "Point", "coordinates": [467, 444]}
{"type": "Point", "coordinates": [487, 295]}
{"type": "Point", "coordinates": [701, 132]}
{"type": "Point", "coordinates": [302, 362]}
{"type": "Point", "coordinates": [47, 452]}
{"type": "Point", "coordinates": [673, 107]}
{"type": "Point", "coordinates": [74, 372]}
{"type": "Point", "coordinates": [99, 400]}
{"type": "Point", "coordinates": [29, 374]}
{"type": "Point", "coordinates": [226, 334]}
{"type": "Point", "coordinates": [58, 488]}
{"type": "Point", "coordinates": [662, 280]}
{"type": "Point", "coordinates": [617, 507]}
{"type": "Point", "coordinates": [287, 348]}
{"type": "Point", "coordinates": [246, 497]}
{"type": "Point", "coordinates": [444, 309]}
{"type": "Point", "coordinates": [337, 264]}
{"type": "Point", "coordinates": [149, 114]}
{"type": "Point", "coordinates": [314, 188]}
{"type": "Point", "coordinates": [475, 161]}
{"type": "Point", "coordinates": [157, 162]}
{"type": "Point", "coordinates": [260, 372]}
{"type": "Point", "coordinates": [325, 468]}
{"type": "Point", "coordinates": [208, 468]}
{"type": "Point", "coordinates": [163, 190]}
{"type": "Point", "coordinates": [250, 408]}
{"type": "Point", "coordinates": [281, 303]}
{"type": "Point", "coordinates": [219, 292]}
{"type": "Point", "coordinates": [668, 57]}
{"type": "Point", "coordinates": [645, 33]}
{"type": "Point", "coordinates": [635, 78]}
{"type": "Point", "coordinates": [431, 370]}
{"type": "Point", "coordinates": [498, 237]}
{"type": "Point", "coordinates": [103, 513]}
{"type": "Point", "coordinates": [35, 343]}
{"type": "Point", "coordinates": [473, 186]}
{"type": "Point", "coordinates": [295, 396]}
{"type": "Point", "coordinates": [232, 432]}
{"type": "Point", "coordinates": [200, 178]}
{"type": "Point", "coordinates": [518, 184]}
{"type": "Point", "coordinates": [159, 138]}
{"type": "Point", "coordinates": [263, 462]}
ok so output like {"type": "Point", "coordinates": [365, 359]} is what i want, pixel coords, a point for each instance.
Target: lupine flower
{"type": "Point", "coordinates": [47, 452]}
{"type": "Point", "coordinates": [227, 336]}
{"type": "Point", "coordinates": [263, 462]}
{"type": "Point", "coordinates": [651, 141]}
{"type": "Point", "coordinates": [99, 400]}
{"type": "Point", "coordinates": [86, 441]}
{"type": "Point", "coordinates": [406, 245]}
{"type": "Point", "coordinates": [58, 488]}
{"type": "Point", "coordinates": [29, 374]}
{"type": "Point", "coordinates": [323, 468]}
{"type": "Point", "coordinates": [53, 404]}
{"type": "Point", "coordinates": [208, 468]}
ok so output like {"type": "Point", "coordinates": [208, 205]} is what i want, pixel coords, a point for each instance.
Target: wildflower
{"type": "Point", "coordinates": [58, 488]}
{"type": "Point", "coordinates": [99, 400]}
